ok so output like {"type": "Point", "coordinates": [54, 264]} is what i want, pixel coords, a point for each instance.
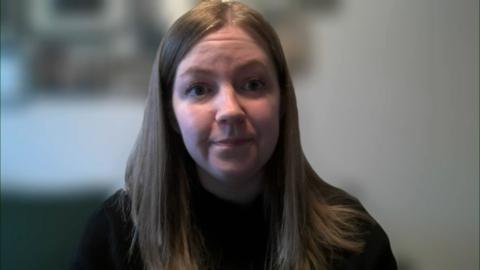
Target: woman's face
{"type": "Point", "coordinates": [226, 102]}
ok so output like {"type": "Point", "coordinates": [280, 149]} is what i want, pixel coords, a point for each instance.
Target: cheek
{"type": "Point", "coordinates": [193, 126]}
{"type": "Point", "coordinates": [266, 122]}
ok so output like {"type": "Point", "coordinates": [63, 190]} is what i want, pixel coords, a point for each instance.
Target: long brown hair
{"type": "Point", "coordinates": [311, 222]}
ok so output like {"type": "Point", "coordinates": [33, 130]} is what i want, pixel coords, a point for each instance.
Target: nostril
{"type": "Point", "coordinates": [230, 117]}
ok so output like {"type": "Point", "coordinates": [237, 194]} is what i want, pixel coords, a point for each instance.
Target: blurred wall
{"type": "Point", "coordinates": [390, 112]}
{"type": "Point", "coordinates": [387, 93]}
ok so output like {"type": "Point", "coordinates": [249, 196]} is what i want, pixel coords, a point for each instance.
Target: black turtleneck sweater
{"type": "Point", "coordinates": [234, 235]}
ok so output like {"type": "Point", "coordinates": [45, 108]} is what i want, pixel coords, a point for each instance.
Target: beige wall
{"type": "Point", "coordinates": [389, 111]}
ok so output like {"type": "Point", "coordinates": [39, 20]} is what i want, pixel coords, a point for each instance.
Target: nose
{"type": "Point", "coordinates": [229, 109]}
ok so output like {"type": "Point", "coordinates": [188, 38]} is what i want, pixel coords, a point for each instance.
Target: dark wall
{"type": "Point", "coordinates": [42, 232]}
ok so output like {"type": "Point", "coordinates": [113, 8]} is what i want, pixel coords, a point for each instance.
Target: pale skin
{"type": "Point", "coordinates": [226, 102]}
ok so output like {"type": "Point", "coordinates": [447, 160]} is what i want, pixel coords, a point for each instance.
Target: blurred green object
{"type": "Point", "coordinates": [43, 231]}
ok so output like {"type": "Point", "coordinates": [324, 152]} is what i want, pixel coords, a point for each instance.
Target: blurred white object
{"type": "Point", "coordinates": [57, 145]}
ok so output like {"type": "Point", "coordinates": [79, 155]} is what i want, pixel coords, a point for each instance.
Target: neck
{"type": "Point", "coordinates": [237, 190]}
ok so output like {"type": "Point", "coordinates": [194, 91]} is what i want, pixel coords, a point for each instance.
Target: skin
{"type": "Point", "coordinates": [226, 103]}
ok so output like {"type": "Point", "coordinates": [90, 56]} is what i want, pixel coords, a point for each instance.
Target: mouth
{"type": "Point", "coordinates": [233, 142]}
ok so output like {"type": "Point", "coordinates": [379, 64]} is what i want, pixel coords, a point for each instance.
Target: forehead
{"type": "Point", "coordinates": [230, 33]}
{"type": "Point", "coordinates": [227, 44]}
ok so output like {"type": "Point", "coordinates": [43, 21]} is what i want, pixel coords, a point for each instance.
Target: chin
{"type": "Point", "coordinates": [230, 175]}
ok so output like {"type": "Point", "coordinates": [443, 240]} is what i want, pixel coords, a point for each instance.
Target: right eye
{"type": "Point", "coordinates": [197, 91]}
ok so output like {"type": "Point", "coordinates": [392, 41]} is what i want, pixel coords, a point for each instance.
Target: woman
{"type": "Point", "coordinates": [217, 178]}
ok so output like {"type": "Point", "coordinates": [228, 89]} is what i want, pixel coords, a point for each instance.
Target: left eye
{"type": "Point", "coordinates": [254, 85]}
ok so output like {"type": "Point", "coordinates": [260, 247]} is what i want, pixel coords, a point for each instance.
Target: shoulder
{"type": "Point", "coordinates": [116, 209]}
{"type": "Point", "coordinates": [112, 216]}
{"type": "Point", "coordinates": [106, 240]}
{"type": "Point", "coordinates": [376, 254]}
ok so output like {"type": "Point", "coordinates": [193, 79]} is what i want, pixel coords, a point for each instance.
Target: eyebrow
{"type": "Point", "coordinates": [198, 70]}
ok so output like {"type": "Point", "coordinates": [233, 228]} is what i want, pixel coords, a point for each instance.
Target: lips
{"type": "Point", "coordinates": [232, 142]}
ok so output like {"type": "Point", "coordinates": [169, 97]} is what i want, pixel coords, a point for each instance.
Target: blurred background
{"type": "Point", "coordinates": [388, 93]}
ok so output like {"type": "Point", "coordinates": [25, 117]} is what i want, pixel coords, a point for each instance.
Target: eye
{"type": "Point", "coordinates": [254, 85]}
{"type": "Point", "coordinates": [197, 91]}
